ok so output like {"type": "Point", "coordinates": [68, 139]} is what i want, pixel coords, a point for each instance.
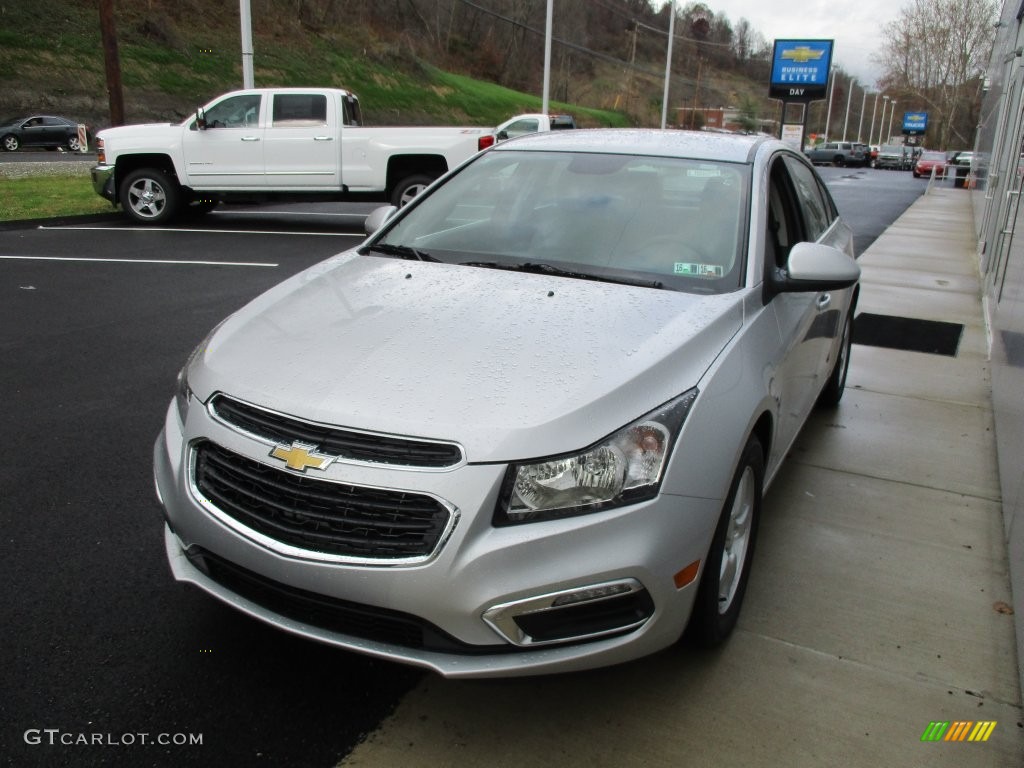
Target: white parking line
{"type": "Point", "coordinates": [144, 261]}
{"type": "Point", "coordinates": [206, 231]}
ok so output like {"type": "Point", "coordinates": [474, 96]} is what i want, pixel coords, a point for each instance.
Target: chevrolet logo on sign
{"type": "Point", "coordinates": [301, 456]}
{"type": "Point", "coordinates": [803, 54]}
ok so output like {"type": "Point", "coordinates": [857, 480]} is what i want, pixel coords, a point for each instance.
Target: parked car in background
{"type": "Point", "coordinates": [46, 131]}
{"type": "Point", "coordinates": [526, 426]}
{"type": "Point", "coordinates": [894, 157]}
{"type": "Point", "coordinates": [962, 159]}
{"type": "Point", "coordinates": [839, 153]}
{"type": "Point", "coordinates": [930, 161]}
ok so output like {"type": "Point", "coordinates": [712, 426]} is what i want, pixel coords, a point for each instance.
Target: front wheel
{"type": "Point", "coordinates": [838, 161]}
{"type": "Point", "coordinates": [727, 565]}
{"type": "Point", "coordinates": [10, 143]}
{"type": "Point", "coordinates": [408, 188]}
{"type": "Point", "coordinates": [149, 196]}
{"type": "Point", "coordinates": [836, 384]}
{"type": "Point", "coordinates": [73, 144]}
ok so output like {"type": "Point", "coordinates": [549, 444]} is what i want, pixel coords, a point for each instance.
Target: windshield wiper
{"type": "Point", "coordinates": [549, 269]}
{"type": "Point", "coordinates": [402, 252]}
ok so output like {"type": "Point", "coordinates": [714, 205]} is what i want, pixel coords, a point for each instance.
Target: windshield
{"type": "Point", "coordinates": [664, 222]}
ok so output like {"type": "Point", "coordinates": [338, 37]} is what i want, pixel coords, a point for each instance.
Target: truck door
{"type": "Point", "coordinates": [228, 153]}
{"type": "Point", "coordinates": [302, 142]}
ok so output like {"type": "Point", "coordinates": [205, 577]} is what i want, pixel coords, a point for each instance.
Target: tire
{"type": "Point", "coordinates": [408, 188]}
{"type": "Point", "coordinates": [10, 143]}
{"type": "Point", "coordinates": [838, 162]}
{"type": "Point", "coordinates": [149, 196]}
{"type": "Point", "coordinates": [73, 145]}
{"type": "Point", "coordinates": [727, 565]}
{"type": "Point", "coordinates": [836, 384]}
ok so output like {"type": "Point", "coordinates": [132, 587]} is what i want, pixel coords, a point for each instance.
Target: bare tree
{"type": "Point", "coordinates": [933, 55]}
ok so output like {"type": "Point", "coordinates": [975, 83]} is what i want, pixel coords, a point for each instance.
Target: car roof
{"type": "Point", "coordinates": [733, 148]}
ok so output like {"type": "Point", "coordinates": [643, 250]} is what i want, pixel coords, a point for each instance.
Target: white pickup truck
{"type": "Point", "coordinates": [272, 144]}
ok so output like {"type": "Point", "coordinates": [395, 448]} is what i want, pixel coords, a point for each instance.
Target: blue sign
{"type": "Point", "coordinates": [915, 122]}
{"type": "Point", "coordinates": [800, 69]}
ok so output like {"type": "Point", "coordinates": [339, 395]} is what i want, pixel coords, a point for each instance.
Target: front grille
{"type": "Point", "coordinates": [316, 515]}
{"type": "Point", "coordinates": [344, 443]}
{"type": "Point", "coordinates": [331, 614]}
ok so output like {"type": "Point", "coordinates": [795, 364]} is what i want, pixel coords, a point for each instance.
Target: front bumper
{"type": "Point", "coordinates": [103, 182]}
{"type": "Point", "coordinates": [454, 612]}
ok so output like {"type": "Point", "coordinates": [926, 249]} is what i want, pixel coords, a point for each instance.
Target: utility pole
{"type": "Point", "coordinates": [112, 62]}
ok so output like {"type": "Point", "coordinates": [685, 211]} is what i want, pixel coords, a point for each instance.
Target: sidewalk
{"type": "Point", "coordinates": [878, 600]}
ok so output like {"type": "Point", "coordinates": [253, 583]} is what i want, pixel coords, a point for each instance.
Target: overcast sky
{"type": "Point", "coordinates": [855, 26]}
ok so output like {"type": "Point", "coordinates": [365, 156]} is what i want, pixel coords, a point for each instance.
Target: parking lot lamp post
{"type": "Point", "coordinates": [860, 125]}
{"type": "Point", "coordinates": [849, 98]}
{"type": "Point", "coordinates": [831, 93]}
{"type": "Point", "coordinates": [881, 123]}
{"type": "Point", "coordinates": [874, 112]}
{"type": "Point", "coordinates": [892, 114]}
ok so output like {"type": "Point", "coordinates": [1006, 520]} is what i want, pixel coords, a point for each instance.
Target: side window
{"type": "Point", "coordinates": [783, 221]}
{"type": "Point", "coordinates": [299, 110]}
{"type": "Point", "coordinates": [522, 127]}
{"type": "Point", "coordinates": [241, 111]}
{"type": "Point", "coordinates": [816, 212]}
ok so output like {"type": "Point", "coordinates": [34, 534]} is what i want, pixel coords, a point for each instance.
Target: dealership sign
{"type": "Point", "coordinates": [915, 123]}
{"type": "Point", "coordinates": [800, 69]}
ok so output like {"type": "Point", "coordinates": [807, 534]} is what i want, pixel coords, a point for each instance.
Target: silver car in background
{"type": "Point", "coordinates": [526, 426]}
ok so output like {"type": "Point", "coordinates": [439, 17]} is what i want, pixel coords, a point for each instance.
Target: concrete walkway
{"type": "Point", "coordinates": [878, 602]}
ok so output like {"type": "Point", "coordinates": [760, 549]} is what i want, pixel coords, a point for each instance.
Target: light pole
{"type": "Point", "coordinates": [668, 61]}
{"type": "Point", "coordinates": [831, 93]}
{"type": "Point", "coordinates": [860, 125]}
{"type": "Point", "coordinates": [892, 114]}
{"type": "Point", "coordinates": [874, 111]}
{"type": "Point", "coordinates": [547, 59]}
{"type": "Point", "coordinates": [849, 98]}
{"type": "Point", "coordinates": [881, 123]}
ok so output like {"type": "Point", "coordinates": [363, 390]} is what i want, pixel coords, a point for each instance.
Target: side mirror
{"type": "Point", "coordinates": [502, 135]}
{"type": "Point", "coordinates": [377, 218]}
{"type": "Point", "coordinates": [812, 267]}
{"type": "Point", "coordinates": [201, 119]}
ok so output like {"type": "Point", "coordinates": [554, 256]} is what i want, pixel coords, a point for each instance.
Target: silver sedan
{"type": "Point", "coordinates": [526, 426]}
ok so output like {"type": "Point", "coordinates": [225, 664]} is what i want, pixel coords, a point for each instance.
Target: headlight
{"type": "Point", "coordinates": [182, 393]}
{"type": "Point", "coordinates": [622, 469]}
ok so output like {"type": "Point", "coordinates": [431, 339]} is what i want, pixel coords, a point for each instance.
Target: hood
{"type": "Point", "coordinates": [509, 365]}
{"type": "Point", "coordinates": [147, 136]}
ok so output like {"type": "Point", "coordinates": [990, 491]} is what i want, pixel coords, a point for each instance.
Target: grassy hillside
{"type": "Point", "coordinates": [173, 59]}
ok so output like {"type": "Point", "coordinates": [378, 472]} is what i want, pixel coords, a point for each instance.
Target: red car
{"type": "Point", "coordinates": [929, 160]}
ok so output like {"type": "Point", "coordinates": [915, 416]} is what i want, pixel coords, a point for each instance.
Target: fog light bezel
{"type": "Point", "coordinates": [503, 618]}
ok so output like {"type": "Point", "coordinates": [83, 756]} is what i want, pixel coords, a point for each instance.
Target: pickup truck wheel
{"type": "Point", "coordinates": [408, 188]}
{"type": "Point", "coordinates": [10, 142]}
{"type": "Point", "coordinates": [149, 196]}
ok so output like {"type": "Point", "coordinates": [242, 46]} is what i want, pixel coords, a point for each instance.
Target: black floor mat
{"type": "Point", "coordinates": [931, 336]}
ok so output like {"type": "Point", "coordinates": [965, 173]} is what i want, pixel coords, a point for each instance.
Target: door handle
{"type": "Point", "coordinates": [323, 138]}
{"type": "Point", "coordinates": [824, 300]}
{"type": "Point", "coordinates": [250, 138]}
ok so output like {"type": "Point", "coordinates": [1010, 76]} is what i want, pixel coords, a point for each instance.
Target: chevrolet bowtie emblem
{"type": "Point", "coordinates": [300, 456]}
{"type": "Point", "coordinates": [802, 54]}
